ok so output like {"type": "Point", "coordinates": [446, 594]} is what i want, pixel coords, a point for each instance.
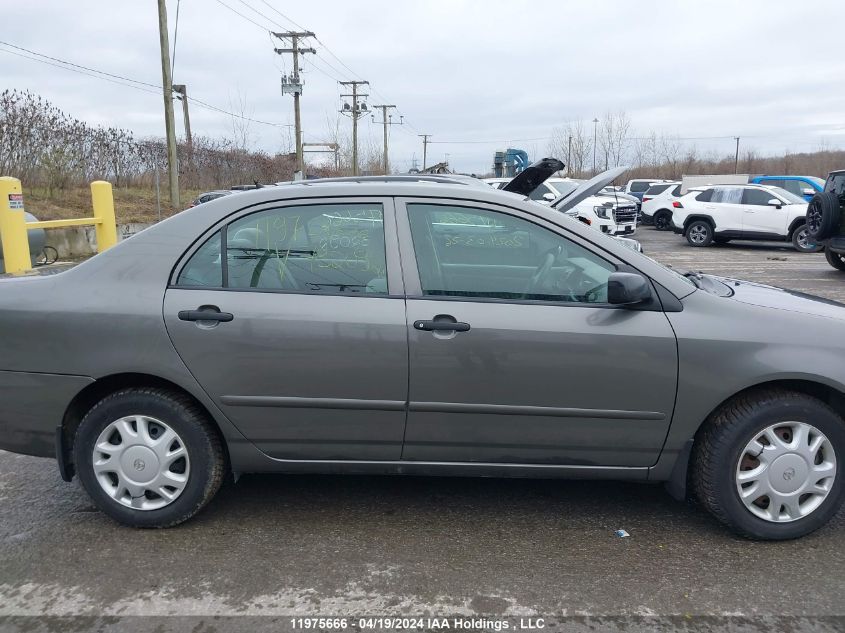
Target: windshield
{"type": "Point", "coordinates": [791, 198]}
{"type": "Point", "coordinates": [563, 187]}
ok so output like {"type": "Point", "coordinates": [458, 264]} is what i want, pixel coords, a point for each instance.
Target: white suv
{"type": "Point", "coordinates": [606, 212]}
{"type": "Point", "coordinates": [657, 204]}
{"type": "Point", "coordinates": [742, 212]}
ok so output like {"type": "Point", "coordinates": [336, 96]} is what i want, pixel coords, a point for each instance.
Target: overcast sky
{"type": "Point", "coordinates": [491, 72]}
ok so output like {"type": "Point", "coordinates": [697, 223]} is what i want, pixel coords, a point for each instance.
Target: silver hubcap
{"type": "Point", "coordinates": [786, 472]}
{"type": "Point", "coordinates": [141, 463]}
{"type": "Point", "coordinates": [698, 234]}
{"type": "Point", "coordinates": [804, 240]}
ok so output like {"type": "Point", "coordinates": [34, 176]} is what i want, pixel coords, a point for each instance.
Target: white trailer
{"type": "Point", "coordinates": [687, 182]}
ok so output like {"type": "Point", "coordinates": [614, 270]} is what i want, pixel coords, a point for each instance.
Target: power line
{"type": "Point", "coordinates": [67, 63]}
{"type": "Point", "coordinates": [242, 15]}
{"type": "Point", "coordinates": [119, 80]}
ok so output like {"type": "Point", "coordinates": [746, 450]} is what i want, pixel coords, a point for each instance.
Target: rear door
{"type": "Point", "coordinates": [725, 206]}
{"type": "Point", "coordinates": [292, 318]}
{"type": "Point", "coordinates": [515, 356]}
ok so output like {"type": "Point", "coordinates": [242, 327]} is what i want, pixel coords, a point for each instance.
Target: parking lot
{"type": "Point", "coordinates": [282, 545]}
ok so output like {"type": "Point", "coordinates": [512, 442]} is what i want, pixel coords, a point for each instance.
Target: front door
{"type": "Point", "coordinates": [515, 356]}
{"type": "Point", "coordinates": [298, 331]}
{"type": "Point", "coordinates": [759, 218]}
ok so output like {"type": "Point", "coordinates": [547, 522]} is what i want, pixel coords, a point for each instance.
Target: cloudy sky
{"type": "Point", "coordinates": [476, 75]}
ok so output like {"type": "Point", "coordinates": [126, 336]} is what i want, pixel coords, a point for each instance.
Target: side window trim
{"type": "Point", "coordinates": [395, 282]}
{"type": "Point", "coordinates": [410, 270]}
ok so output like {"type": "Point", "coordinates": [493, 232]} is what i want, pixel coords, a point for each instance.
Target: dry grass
{"type": "Point", "coordinates": [131, 204]}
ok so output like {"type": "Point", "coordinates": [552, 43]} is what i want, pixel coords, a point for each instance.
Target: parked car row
{"type": "Point", "coordinates": [608, 211]}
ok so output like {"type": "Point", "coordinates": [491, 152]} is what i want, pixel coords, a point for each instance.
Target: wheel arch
{"type": "Point", "coordinates": [795, 225]}
{"type": "Point", "coordinates": [678, 483]}
{"type": "Point", "coordinates": [102, 387]}
{"type": "Point", "coordinates": [699, 216]}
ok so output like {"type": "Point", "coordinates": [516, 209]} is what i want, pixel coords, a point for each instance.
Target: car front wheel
{"type": "Point", "coordinates": [700, 233]}
{"type": "Point", "coordinates": [148, 457]}
{"type": "Point", "coordinates": [802, 241]}
{"type": "Point", "coordinates": [767, 464]}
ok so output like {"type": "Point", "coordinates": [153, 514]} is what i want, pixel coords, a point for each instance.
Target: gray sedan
{"type": "Point", "coordinates": [413, 327]}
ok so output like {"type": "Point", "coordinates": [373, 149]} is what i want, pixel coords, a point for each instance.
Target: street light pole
{"type": "Point", "coordinates": [595, 138]}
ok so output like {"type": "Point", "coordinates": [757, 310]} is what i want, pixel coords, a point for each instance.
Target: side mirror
{"type": "Point", "coordinates": [627, 289]}
{"type": "Point", "coordinates": [774, 202]}
{"type": "Point", "coordinates": [549, 196]}
{"type": "Point", "coordinates": [808, 192]}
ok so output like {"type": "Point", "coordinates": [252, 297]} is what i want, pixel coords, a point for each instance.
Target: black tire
{"type": "Point", "coordinates": [835, 259]}
{"type": "Point", "coordinates": [803, 242]}
{"type": "Point", "coordinates": [200, 438]}
{"type": "Point", "coordinates": [663, 220]}
{"type": "Point", "coordinates": [823, 215]}
{"type": "Point", "coordinates": [722, 439]}
{"type": "Point", "coordinates": [699, 233]}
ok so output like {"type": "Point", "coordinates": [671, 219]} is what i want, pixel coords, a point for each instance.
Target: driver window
{"type": "Point", "coordinates": [472, 253]}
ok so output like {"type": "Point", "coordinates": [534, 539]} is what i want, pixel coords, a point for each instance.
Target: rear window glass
{"type": "Point", "coordinates": [655, 189]}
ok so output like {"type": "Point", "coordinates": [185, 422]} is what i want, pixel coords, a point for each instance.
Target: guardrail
{"type": "Point", "coordinates": [13, 224]}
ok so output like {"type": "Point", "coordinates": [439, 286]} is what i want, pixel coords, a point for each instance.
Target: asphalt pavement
{"type": "Point", "coordinates": [271, 547]}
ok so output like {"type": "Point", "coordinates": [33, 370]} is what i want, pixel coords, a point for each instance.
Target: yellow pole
{"type": "Point", "coordinates": [106, 226]}
{"type": "Point", "coordinates": [13, 227]}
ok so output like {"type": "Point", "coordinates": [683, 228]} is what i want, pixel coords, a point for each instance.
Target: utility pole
{"type": "Point", "coordinates": [595, 139]}
{"type": "Point", "coordinates": [736, 157]}
{"type": "Point", "coordinates": [170, 128]}
{"type": "Point", "coordinates": [385, 121]}
{"type": "Point", "coordinates": [356, 111]}
{"type": "Point", "coordinates": [425, 138]}
{"type": "Point", "coordinates": [292, 84]}
{"type": "Point", "coordinates": [181, 89]}
{"type": "Point", "coordinates": [568, 156]}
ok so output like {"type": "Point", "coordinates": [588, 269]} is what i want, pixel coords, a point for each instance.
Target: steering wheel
{"type": "Point", "coordinates": [592, 295]}
{"type": "Point", "coordinates": [542, 271]}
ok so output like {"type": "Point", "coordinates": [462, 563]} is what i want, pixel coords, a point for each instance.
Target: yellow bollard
{"type": "Point", "coordinates": [106, 225]}
{"type": "Point", "coordinates": [13, 227]}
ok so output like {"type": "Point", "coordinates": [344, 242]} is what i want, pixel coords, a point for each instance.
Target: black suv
{"type": "Point", "coordinates": [826, 219]}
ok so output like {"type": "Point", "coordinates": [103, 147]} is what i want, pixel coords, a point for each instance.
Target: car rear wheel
{"type": "Point", "coordinates": [767, 464]}
{"type": "Point", "coordinates": [835, 259]}
{"type": "Point", "coordinates": [823, 215]}
{"type": "Point", "coordinates": [802, 241]}
{"type": "Point", "coordinates": [663, 220]}
{"type": "Point", "coordinates": [148, 457]}
{"type": "Point", "coordinates": [700, 233]}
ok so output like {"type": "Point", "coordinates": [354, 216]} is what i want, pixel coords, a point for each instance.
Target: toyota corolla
{"type": "Point", "coordinates": [414, 326]}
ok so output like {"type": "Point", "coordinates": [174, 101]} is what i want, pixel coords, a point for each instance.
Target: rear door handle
{"type": "Point", "coordinates": [206, 313]}
{"type": "Point", "coordinates": [434, 326]}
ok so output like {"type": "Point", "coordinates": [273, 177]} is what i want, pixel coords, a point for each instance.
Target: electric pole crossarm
{"type": "Point", "coordinates": [356, 111]}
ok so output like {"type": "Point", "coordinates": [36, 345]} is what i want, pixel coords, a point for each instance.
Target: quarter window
{"type": "Point", "coordinates": [474, 253]}
{"type": "Point", "coordinates": [337, 248]}
{"type": "Point", "coordinates": [727, 195]}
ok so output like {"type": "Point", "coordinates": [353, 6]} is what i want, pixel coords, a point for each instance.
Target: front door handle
{"type": "Point", "coordinates": [442, 325]}
{"type": "Point", "coordinates": [206, 313]}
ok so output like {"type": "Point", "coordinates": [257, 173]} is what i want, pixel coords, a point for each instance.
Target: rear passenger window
{"type": "Point", "coordinates": [705, 196]}
{"type": "Point", "coordinates": [640, 186]}
{"type": "Point", "coordinates": [656, 189]}
{"type": "Point", "coordinates": [336, 248]}
{"type": "Point", "coordinates": [727, 195]}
